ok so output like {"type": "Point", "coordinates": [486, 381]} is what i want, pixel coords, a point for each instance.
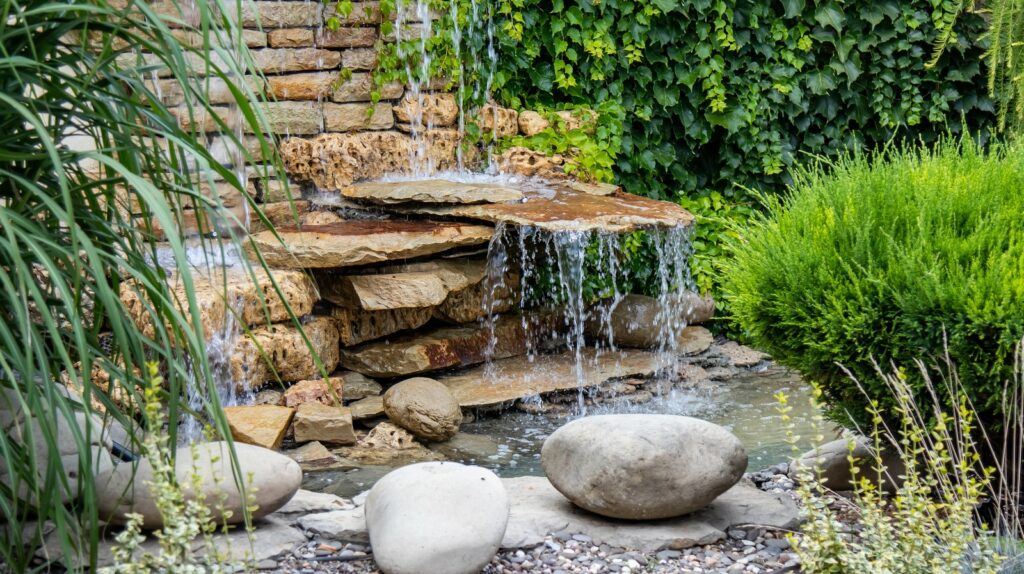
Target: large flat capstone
{"type": "Point", "coordinates": [564, 209]}
{"type": "Point", "coordinates": [361, 242]}
{"type": "Point", "coordinates": [431, 191]}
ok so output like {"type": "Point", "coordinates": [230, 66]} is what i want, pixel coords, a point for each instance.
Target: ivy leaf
{"type": "Point", "coordinates": [666, 5]}
{"type": "Point", "coordinates": [830, 15]}
{"type": "Point", "coordinates": [793, 7]}
{"type": "Point", "coordinates": [667, 96]}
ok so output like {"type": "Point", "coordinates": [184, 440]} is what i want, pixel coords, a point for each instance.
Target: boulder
{"type": "Point", "coordinates": [642, 467]}
{"type": "Point", "coordinates": [424, 407]}
{"type": "Point", "coordinates": [271, 479]}
{"type": "Point", "coordinates": [438, 349]}
{"type": "Point", "coordinates": [360, 242]}
{"type": "Point", "coordinates": [532, 123]}
{"type": "Point", "coordinates": [437, 517]}
{"type": "Point", "coordinates": [327, 424]}
{"type": "Point", "coordinates": [260, 425]}
{"type": "Point", "coordinates": [434, 110]}
{"type": "Point", "coordinates": [648, 322]}
{"type": "Point", "coordinates": [431, 191]}
{"type": "Point", "coordinates": [831, 463]}
{"type": "Point", "coordinates": [502, 122]}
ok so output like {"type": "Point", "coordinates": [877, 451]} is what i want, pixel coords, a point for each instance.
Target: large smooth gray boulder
{"type": "Point", "coordinates": [437, 517]}
{"type": "Point", "coordinates": [424, 407]}
{"type": "Point", "coordinates": [270, 478]}
{"type": "Point", "coordinates": [642, 467]}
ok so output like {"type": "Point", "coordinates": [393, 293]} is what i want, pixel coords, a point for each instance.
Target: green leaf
{"type": "Point", "coordinates": [830, 15]}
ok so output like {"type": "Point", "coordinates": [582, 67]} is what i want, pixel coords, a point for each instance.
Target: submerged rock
{"type": "Point", "coordinates": [437, 517]}
{"type": "Point", "coordinates": [361, 242]}
{"type": "Point", "coordinates": [644, 466]}
{"type": "Point", "coordinates": [424, 407]}
{"type": "Point", "coordinates": [271, 478]}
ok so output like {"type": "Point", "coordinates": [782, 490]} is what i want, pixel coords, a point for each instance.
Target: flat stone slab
{"type": "Point", "coordinates": [431, 191]}
{"type": "Point", "coordinates": [361, 242]}
{"type": "Point", "coordinates": [518, 377]}
{"type": "Point", "coordinates": [442, 348]}
{"type": "Point", "coordinates": [537, 509]}
{"type": "Point", "coordinates": [564, 209]}
{"type": "Point", "coordinates": [407, 287]}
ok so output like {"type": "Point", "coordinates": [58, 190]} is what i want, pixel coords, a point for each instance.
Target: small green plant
{"type": "Point", "coordinates": [884, 260]}
{"type": "Point", "coordinates": [185, 518]}
{"type": "Point", "coordinates": [929, 525]}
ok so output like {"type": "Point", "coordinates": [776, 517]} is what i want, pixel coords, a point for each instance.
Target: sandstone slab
{"type": "Point", "coordinates": [518, 377]}
{"type": "Point", "coordinates": [564, 209]}
{"type": "Point", "coordinates": [424, 407]}
{"type": "Point", "coordinates": [324, 423]}
{"type": "Point", "coordinates": [274, 479]}
{"type": "Point", "coordinates": [539, 509]}
{"type": "Point", "coordinates": [443, 518]}
{"type": "Point", "coordinates": [260, 425]}
{"type": "Point", "coordinates": [309, 502]}
{"type": "Point", "coordinates": [314, 456]}
{"type": "Point", "coordinates": [357, 326]}
{"type": "Point", "coordinates": [431, 191]}
{"type": "Point", "coordinates": [360, 242]}
{"type": "Point", "coordinates": [367, 408]}
{"type": "Point", "coordinates": [441, 348]}
{"type": "Point", "coordinates": [645, 466]}
{"type": "Point", "coordinates": [415, 285]}
{"type": "Point", "coordinates": [357, 386]}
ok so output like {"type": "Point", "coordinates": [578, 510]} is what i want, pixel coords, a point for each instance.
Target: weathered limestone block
{"type": "Point", "coordinates": [358, 88]}
{"type": "Point", "coordinates": [279, 214]}
{"type": "Point", "coordinates": [359, 59]}
{"type": "Point", "coordinates": [261, 425]}
{"type": "Point", "coordinates": [355, 117]}
{"type": "Point", "coordinates": [479, 300]}
{"type": "Point", "coordinates": [495, 119]}
{"type": "Point", "coordinates": [334, 161]}
{"type": "Point", "coordinates": [530, 163]}
{"type": "Point", "coordinates": [356, 326]}
{"type": "Point", "coordinates": [252, 300]}
{"type": "Point", "coordinates": [532, 123]}
{"type": "Point", "coordinates": [328, 392]}
{"type": "Point", "coordinates": [362, 37]}
{"type": "Point", "coordinates": [281, 14]}
{"type": "Point", "coordinates": [216, 89]}
{"type": "Point", "coordinates": [307, 86]}
{"type": "Point", "coordinates": [437, 110]}
{"type": "Point", "coordinates": [285, 350]}
{"type": "Point", "coordinates": [439, 349]}
{"type": "Point", "coordinates": [360, 242]}
{"type": "Point", "coordinates": [292, 118]}
{"type": "Point", "coordinates": [324, 423]}
{"type": "Point", "coordinates": [290, 38]}
{"type": "Point", "coordinates": [278, 60]}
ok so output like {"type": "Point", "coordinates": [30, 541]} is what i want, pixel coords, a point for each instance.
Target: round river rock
{"type": "Point", "coordinates": [271, 478]}
{"type": "Point", "coordinates": [424, 407]}
{"type": "Point", "coordinates": [642, 467]}
{"type": "Point", "coordinates": [436, 517]}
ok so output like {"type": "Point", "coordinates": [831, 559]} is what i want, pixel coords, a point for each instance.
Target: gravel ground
{"type": "Point", "coordinates": [751, 550]}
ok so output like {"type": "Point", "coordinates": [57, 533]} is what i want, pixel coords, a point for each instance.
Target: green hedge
{"type": "Point", "coordinates": [722, 92]}
{"type": "Point", "coordinates": [890, 260]}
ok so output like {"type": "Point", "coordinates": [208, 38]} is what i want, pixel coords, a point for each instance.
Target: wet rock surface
{"type": "Point", "coordinates": [424, 407]}
{"type": "Point", "coordinates": [431, 191]}
{"type": "Point", "coordinates": [359, 242]}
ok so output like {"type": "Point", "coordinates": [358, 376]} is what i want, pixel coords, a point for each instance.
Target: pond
{"type": "Point", "coordinates": [509, 442]}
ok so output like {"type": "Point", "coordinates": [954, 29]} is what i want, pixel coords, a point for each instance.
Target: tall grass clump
{"type": "Point", "coordinates": [93, 165]}
{"type": "Point", "coordinates": [884, 260]}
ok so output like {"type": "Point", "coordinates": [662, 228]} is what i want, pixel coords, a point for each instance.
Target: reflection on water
{"type": "Point", "coordinates": [509, 443]}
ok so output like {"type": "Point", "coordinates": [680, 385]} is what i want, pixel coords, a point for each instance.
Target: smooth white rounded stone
{"type": "Point", "coordinates": [642, 467]}
{"type": "Point", "coordinates": [271, 479]}
{"type": "Point", "coordinates": [437, 517]}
